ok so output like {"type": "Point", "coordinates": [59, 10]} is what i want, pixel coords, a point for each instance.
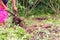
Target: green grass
{"type": "Point", "coordinates": [41, 33]}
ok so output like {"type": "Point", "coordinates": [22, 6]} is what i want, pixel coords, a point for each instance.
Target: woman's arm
{"type": "Point", "coordinates": [2, 4]}
{"type": "Point", "coordinates": [14, 6]}
{"type": "Point", "coordinates": [13, 3]}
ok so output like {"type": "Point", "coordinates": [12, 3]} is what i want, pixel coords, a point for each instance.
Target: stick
{"type": "Point", "coordinates": [11, 13]}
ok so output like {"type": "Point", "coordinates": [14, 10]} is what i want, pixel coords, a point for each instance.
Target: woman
{"type": "Point", "coordinates": [4, 11]}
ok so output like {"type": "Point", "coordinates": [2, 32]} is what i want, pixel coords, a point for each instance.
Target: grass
{"type": "Point", "coordinates": [52, 33]}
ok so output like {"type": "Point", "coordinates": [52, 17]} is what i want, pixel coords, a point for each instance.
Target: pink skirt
{"type": "Point", "coordinates": [3, 14]}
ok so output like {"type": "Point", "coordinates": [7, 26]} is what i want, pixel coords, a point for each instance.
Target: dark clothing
{"type": "Point", "coordinates": [5, 1]}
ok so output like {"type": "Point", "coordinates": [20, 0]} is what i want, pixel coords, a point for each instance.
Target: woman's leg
{"type": "Point", "coordinates": [2, 24]}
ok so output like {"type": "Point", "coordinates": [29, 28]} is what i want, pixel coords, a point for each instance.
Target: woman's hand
{"type": "Point", "coordinates": [15, 10]}
{"type": "Point", "coordinates": [6, 9]}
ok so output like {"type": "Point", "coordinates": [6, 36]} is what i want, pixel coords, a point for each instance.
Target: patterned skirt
{"type": "Point", "coordinates": [3, 14]}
